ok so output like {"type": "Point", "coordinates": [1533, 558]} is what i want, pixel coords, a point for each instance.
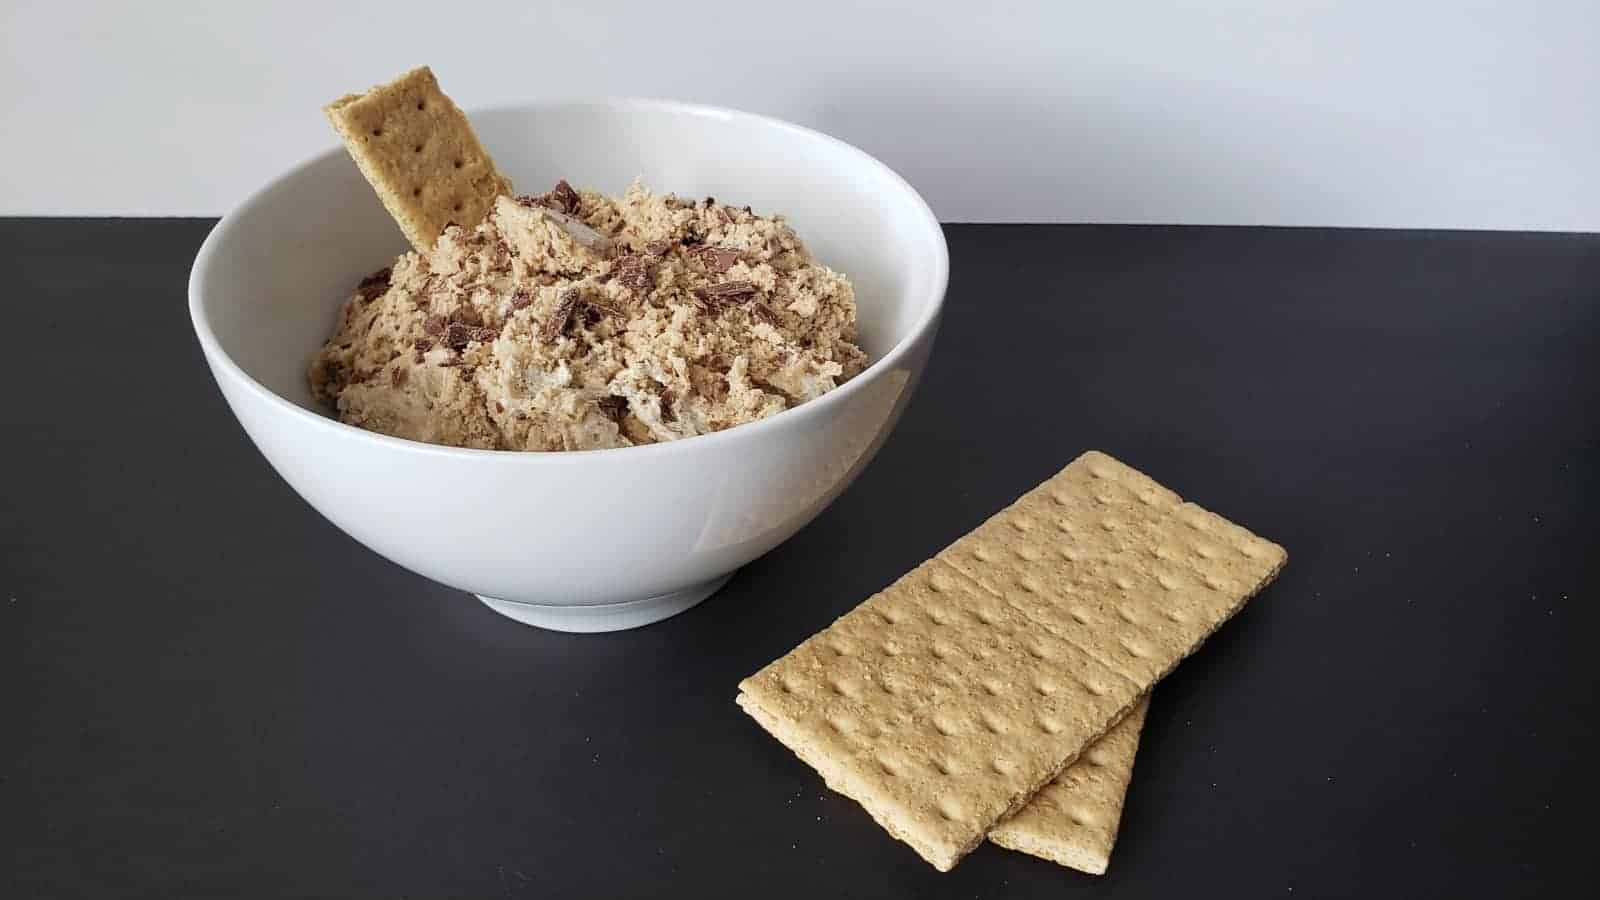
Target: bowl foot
{"type": "Point", "coordinates": [607, 616]}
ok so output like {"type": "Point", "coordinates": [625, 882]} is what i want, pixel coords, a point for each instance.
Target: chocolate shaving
{"type": "Point", "coordinates": [595, 310]}
{"type": "Point", "coordinates": [633, 272]}
{"type": "Point", "coordinates": [657, 248]}
{"type": "Point", "coordinates": [375, 285]}
{"type": "Point", "coordinates": [764, 313]}
{"type": "Point", "coordinates": [718, 259]}
{"type": "Point", "coordinates": [434, 325]}
{"type": "Point", "coordinates": [557, 323]}
{"type": "Point", "coordinates": [423, 345]}
{"type": "Point", "coordinates": [732, 291]}
{"type": "Point", "coordinates": [521, 299]}
{"type": "Point", "coordinates": [613, 407]}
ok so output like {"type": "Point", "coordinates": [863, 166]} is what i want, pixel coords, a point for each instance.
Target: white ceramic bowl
{"type": "Point", "coordinates": [585, 541]}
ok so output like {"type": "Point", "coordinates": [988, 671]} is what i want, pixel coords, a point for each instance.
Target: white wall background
{"type": "Point", "coordinates": [1427, 113]}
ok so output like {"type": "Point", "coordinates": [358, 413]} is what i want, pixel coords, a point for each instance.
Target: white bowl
{"type": "Point", "coordinates": [583, 541]}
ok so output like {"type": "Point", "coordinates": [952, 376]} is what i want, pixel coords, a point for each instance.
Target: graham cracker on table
{"type": "Point", "coordinates": [419, 152]}
{"type": "Point", "coordinates": [945, 702]}
{"type": "Point", "coordinates": [1073, 820]}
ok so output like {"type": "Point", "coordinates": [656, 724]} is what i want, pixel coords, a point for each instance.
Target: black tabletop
{"type": "Point", "coordinates": [209, 691]}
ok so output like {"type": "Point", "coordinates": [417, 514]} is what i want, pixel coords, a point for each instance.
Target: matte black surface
{"type": "Point", "coordinates": [209, 691]}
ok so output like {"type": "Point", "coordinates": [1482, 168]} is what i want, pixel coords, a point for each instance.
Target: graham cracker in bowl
{"type": "Point", "coordinates": [418, 151]}
{"type": "Point", "coordinates": [945, 702]}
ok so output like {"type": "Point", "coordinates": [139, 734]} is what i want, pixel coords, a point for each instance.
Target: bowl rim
{"type": "Point", "coordinates": [748, 431]}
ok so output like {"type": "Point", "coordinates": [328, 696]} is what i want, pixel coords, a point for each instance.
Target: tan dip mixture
{"type": "Point", "coordinates": [574, 321]}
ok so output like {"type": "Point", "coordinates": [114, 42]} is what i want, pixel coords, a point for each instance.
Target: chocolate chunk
{"type": "Point", "coordinates": [557, 323]}
{"type": "Point", "coordinates": [398, 376]}
{"type": "Point", "coordinates": [375, 285]}
{"type": "Point", "coordinates": [692, 240]}
{"type": "Point", "coordinates": [613, 407]}
{"type": "Point", "coordinates": [423, 345]}
{"type": "Point", "coordinates": [521, 299]}
{"type": "Point", "coordinates": [484, 333]}
{"type": "Point", "coordinates": [718, 259]}
{"type": "Point", "coordinates": [466, 314]}
{"type": "Point", "coordinates": [633, 272]}
{"type": "Point", "coordinates": [434, 325]}
{"type": "Point", "coordinates": [657, 248]}
{"type": "Point", "coordinates": [458, 336]}
{"type": "Point", "coordinates": [563, 197]}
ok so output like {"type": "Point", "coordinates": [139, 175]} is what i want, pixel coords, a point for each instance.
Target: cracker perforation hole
{"type": "Point", "coordinates": [888, 768]}
{"type": "Point", "coordinates": [1002, 766]}
{"type": "Point", "coordinates": [993, 724]}
{"type": "Point", "coordinates": [942, 767]}
{"type": "Point", "coordinates": [377, 132]}
{"type": "Point", "coordinates": [1094, 688]}
{"type": "Point", "coordinates": [416, 148]}
{"type": "Point", "coordinates": [949, 810]}
{"type": "Point", "coordinates": [938, 618]}
{"type": "Point", "coordinates": [1126, 616]}
{"type": "Point", "coordinates": [982, 554]}
{"type": "Point", "coordinates": [1080, 819]}
{"type": "Point", "coordinates": [457, 207]}
{"type": "Point", "coordinates": [992, 688]}
{"type": "Point", "coordinates": [1168, 583]}
{"type": "Point", "coordinates": [1133, 650]}
{"type": "Point", "coordinates": [1028, 553]}
{"type": "Point", "coordinates": [1035, 652]}
{"type": "Point", "coordinates": [1045, 688]}
{"type": "Point", "coordinates": [890, 650]}
{"type": "Point", "coordinates": [1078, 616]}
{"type": "Point", "coordinates": [1050, 726]}
{"type": "Point", "coordinates": [1173, 616]}
{"type": "Point", "coordinates": [939, 651]}
{"type": "Point", "coordinates": [458, 163]}
{"type": "Point", "coordinates": [944, 727]}
{"type": "Point", "coordinates": [416, 192]}
{"type": "Point", "coordinates": [983, 617]}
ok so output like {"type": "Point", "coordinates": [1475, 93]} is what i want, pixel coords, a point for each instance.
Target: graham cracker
{"type": "Point", "coordinates": [937, 707]}
{"type": "Point", "coordinates": [419, 153]}
{"type": "Point", "coordinates": [1073, 820]}
{"type": "Point", "coordinates": [943, 703]}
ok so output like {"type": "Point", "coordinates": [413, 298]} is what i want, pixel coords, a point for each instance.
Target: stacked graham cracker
{"type": "Point", "coordinates": [998, 689]}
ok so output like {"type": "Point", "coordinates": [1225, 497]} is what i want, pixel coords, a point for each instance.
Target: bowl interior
{"type": "Point", "coordinates": [274, 273]}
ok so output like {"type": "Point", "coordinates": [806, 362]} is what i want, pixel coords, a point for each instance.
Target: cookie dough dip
{"type": "Point", "coordinates": [574, 320]}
